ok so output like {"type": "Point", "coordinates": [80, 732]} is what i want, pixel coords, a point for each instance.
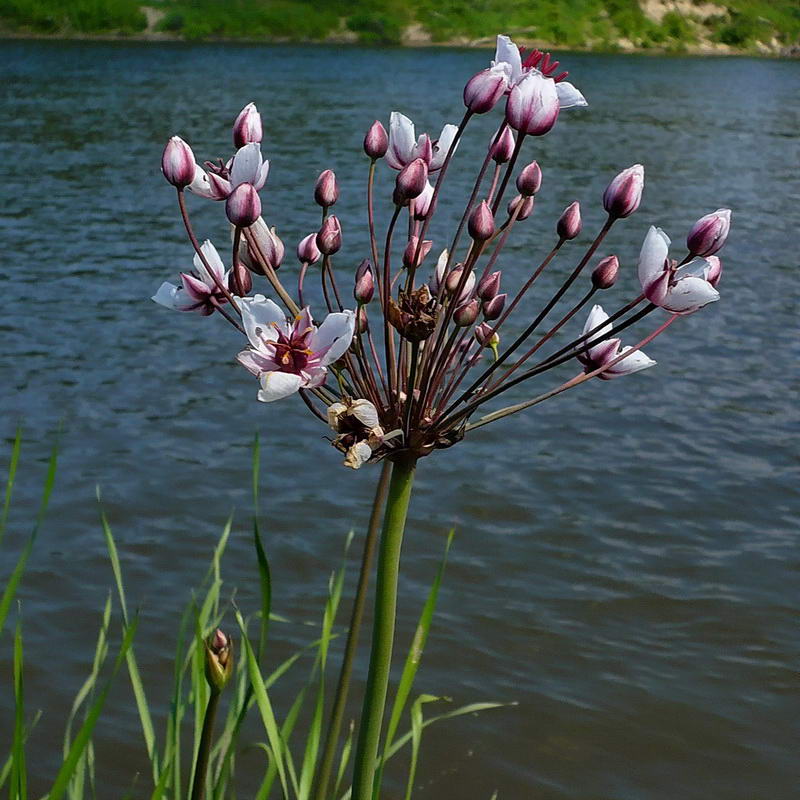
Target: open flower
{"type": "Point", "coordinates": [247, 166]}
{"type": "Point", "coordinates": [508, 54]}
{"type": "Point", "coordinates": [604, 352]}
{"type": "Point", "coordinates": [404, 147]}
{"type": "Point", "coordinates": [286, 356]}
{"type": "Point", "coordinates": [199, 291]}
{"type": "Point", "coordinates": [681, 290]}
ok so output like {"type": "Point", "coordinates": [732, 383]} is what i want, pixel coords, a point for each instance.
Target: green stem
{"type": "Point", "coordinates": [394, 523]}
{"type": "Point", "coordinates": [356, 617]}
{"type": "Point", "coordinates": [204, 749]}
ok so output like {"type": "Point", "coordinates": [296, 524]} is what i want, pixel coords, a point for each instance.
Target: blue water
{"type": "Point", "coordinates": [626, 562]}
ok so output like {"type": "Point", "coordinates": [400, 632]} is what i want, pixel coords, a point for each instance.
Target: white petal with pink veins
{"type": "Point", "coordinates": [443, 144]}
{"type": "Point", "coordinates": [689, 294]}
{"type": "Point", "coordinates": [507, 52]}
{"type": "Point", "coordinates": [401, 140]}
{"type": "Point", "coordinates": [277, 385]}
{"type": "Point", "coordinates": [214, 261]}
{"type": "Point", "coordinates": [569, 96]}
{"type": "Point", "coordinates": [652, 256]}
{"type": "Point", "coordinates": [246, 165]}
{"type": "Point", "coordinates": [256, 363]}
{"type": "Point", "coordinates": [259, 317]}
{"type": "Point", "coordinates": [333, 337]}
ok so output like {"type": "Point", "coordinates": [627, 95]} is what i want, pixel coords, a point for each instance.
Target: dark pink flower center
{"type": "Point", "coordinates": [542, 61]}
{"type": "Point", "coordinates": [291, 352]}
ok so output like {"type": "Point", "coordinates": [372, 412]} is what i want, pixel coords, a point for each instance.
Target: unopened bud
{"type": "Point", "coordinates": [307, 250]}
{"type": "Point", "coordinates": [709, 233]}
{"type": "Point", "coordinates": [247, 127]}
{"type": "Point", "coordinates": [493, 308]}
{"type": "Point", "coordinates": [569, 223]}
{"type": "Point", "coordinates": [489, 285]}
{"type": "Point", "coordinates": [465, 315]}
{"type": "Point", "coordinates": [410, 182]}
{"type": "Point", "coordinates": [219, 660]}
{"type": "Point", "coordinates": [410, 257]}
{"type": "Point", "coordinates": [481, 223]}
{"type": "Point", "coordinates": [326, 189]}
{"type": "Point", "coordinates": [502, 149]}
{"type": "Point", "coordinates": [713, 271]}
{"type": "Point", "coordinates": [243, 205]}
{"type": "Point", "coordinates": [605, 273]}
{"type": "Point", "coordinates": [484, 89]}
{"type": "Point", "coordinates": [623, 195]}
{"type": "Point", "coordinates": [240, 281]}
{"type": "Point", "coordinates": [177, 163]}
{"type": "Point", "coordinates": [529, 181]}
{"type": "Point", "coordinates": [485, 337]}
{"type": "Point", "coordinates": [329, 238]}
{"type": "Point", "coordinates": [365, 283]}
{"type": "Point", "coordinates": [376, 142]}
{"type": "Point", "coordinates": [525, 205]}
{"type": "Point", "coordinates": [423, 203]}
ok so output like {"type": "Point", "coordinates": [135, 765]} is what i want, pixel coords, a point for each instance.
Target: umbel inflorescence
{"type": "Point", "coordinates": [405, 366]}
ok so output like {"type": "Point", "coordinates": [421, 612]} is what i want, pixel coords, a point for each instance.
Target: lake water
{"type": "Point", "coordinates": [626, 563]}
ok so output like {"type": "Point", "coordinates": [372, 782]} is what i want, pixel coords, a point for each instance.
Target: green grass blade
{"type": "Point", "coordinates": [347, 750]}
{"type": "Point", "coordinates": [276, 741]}
{"type": "Point", "coordinates": [5, 772]}
{"type": "Point", "coordinates": [12, 472]}
{"type": "Point", "coordinates": [84, 735]}
{"type": "Point", "coordinates": [416, 738]}
{"type": "Point", "coordinates": [142, 707]}
{"type": "Point", "coordinates": [19, 569]}
{"type": "Point", "coordinates": [19, 769]}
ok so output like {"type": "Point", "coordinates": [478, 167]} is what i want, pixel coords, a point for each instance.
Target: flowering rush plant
{"type": "Point", "coordinates": [411, 353]}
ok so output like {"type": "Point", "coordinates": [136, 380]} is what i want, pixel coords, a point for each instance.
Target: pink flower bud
{"type": "Point", "coordinates": [247, 127]}
{"type": "Point", "coordinates": [502, 150]}
{"type": "Point", "coordinates": [525, 207]}
{"type": "Point", "coordinates": [376, 142]}
{"type": "Point", "coordinates": [533, 105]}
{"type": "Point", "coordinates": [307, 250]}
{"type": "Point", "coordinates": [713, 271]}
{"type": "Point", "coordinates": [709, 233]}
{"type": "Point", "coordinates": [326, 189]}
{"type": "Point", "coordinates": [605, 273]}
{"type": "Point", "coordinates": [493, 308]}
{"type": "Point", "coordinates": [623, 195]}
{"type": "Point", "coordinates": [422, 203]}
{"type": "Point", "coordinates": [243, 205]}
{"type": "Point", "coordinates": [465, 315]}
{"type": "Point", "coordinates": [481, 223]}
{"type": "Point", "coordinates": [529, 181]}
{"type": "Point", "coordinates": [489, 286]}
{"type": "Point", "coordinates": [410, 182]}
{"type": "Point", "coordinates": [569, 223]}
{"type": "Point", "coordinates": [411, 251]}
{"type": "Point", "coordinates": [177, 163]}
{"type": "Point", "coordinates": [484, 335]}
{"type": "Point", "coordinates": [365, 283]}
{"type": "Point", "coordinates": [485, 89]}
{"type": "Point", "coordinates": [240, 281]}
{"type": "Point", "coordinates": [329, 238]}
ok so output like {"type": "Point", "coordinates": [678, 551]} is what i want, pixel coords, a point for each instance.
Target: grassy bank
{"type": "Point", "coordinates": [766, 26]}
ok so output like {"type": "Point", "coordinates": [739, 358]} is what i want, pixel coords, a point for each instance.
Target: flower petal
{"type": "Point", "coordinates": [569, 96]}
{"type": "Point", "coordinates": [246, 165]}
{"type": "Point", "coordinates": [165, 296]}
{"type": "Point", "coordinates": [357, 455]}
{"type": "Point", "coordinates": [653, 256]}
{"type": "Point", "coordinates": [635, 362]}
{"type": "Point", "coordinates": [443, 144]}
{"type": "Point", "coordinates": [256, 363]}
{"type": "Point", "coordinates": [333, 337]}
{"type": "Point", "coordinates": [689, 294]}
{"type": "Point", "coordinates": [195, 288]}
{"type": "Point", "coordinates": [214, 261]}
{"type": "Point", "coordinates": [277, 385]}
{"type": "Point", "coordinates": [401, 141]}
{"type": "Point", "coordinates": [259, 317]}
{"type": "Point", "coordinates": [200, 185]}
{"type": "Point", "coordinates": [507, 52]}
{"type": "Point", "coordinates": [261, 179]}
{"type": "Point", "coordinates": [365, 412]}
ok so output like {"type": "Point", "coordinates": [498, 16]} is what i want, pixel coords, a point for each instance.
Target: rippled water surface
{"type": "Point", "coordinates": [626, 560]}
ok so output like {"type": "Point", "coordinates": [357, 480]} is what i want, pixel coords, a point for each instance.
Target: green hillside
{"type": "Point", "coordinates": [769, 26]}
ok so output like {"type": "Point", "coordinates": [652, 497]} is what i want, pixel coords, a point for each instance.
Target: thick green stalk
{"type": "Point", "coordinates": [369, 731]}
{"type": "Point", "coordinates": [203, 750]}
{"type": "Point", "coordinates": [343, 686]}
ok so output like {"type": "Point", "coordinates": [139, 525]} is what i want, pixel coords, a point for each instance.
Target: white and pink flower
{"type": "Point", "coordinates": [199, 291]}
{"type": "Point", "coordinates": [290, 355]}
{"type": "Point", "coordinates": [604, 352]}
{"type": "Point", "coordinates": [404, 147]}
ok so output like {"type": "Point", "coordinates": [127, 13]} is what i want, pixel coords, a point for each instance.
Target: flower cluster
{"type": "Point", "coordinates": [404, 367]}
